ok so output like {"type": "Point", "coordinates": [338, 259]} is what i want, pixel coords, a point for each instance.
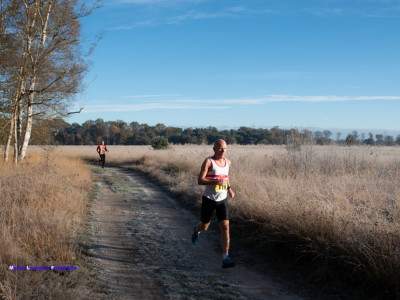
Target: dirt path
{"type": "Point", "coordinates": [142, 246]}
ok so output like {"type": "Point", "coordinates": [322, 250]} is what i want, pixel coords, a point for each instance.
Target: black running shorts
{"type": "Point", "coordinates": [208, 206]}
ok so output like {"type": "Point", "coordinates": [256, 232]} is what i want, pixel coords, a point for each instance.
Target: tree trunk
{"type": "Point", "coordinates": [31, 96]}
{"type": "Point", "coordinates": [28, 128]}
{"type": "Point", "coordinates": [9, 139]}
{"type": "Point", "coordinates": [19, 123]}
{"type": "Point", "coordinates": [50, 67]}
{"type": "Point", "coordinates": [15, 142]}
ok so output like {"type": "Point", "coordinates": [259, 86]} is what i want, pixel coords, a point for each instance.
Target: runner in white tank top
{"type": "Point", "coordinates": [217, 192]}
{"type": "Point", "coordinates": [214, 175]}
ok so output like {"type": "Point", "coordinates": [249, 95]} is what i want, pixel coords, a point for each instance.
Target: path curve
{"type": "Point", "coordinates": [142, 247]}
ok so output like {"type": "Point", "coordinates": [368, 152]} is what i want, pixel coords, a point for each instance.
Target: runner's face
{"type": "Point", "coordinates": [220, 150]}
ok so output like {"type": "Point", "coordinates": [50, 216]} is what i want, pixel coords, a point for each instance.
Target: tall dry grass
{"type": "Point", "coordinates": [335, 203]}
{"type": "Point", "coordinates": [43, 203]}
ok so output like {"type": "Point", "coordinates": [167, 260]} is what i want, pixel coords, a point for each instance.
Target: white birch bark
{"type": "Point", "coordinates": [13, 133]}
{"type": "Point", "coordinates": [42, 42]}
{"type": "Point", "coordinates": [31, 95]}
{"type": "Point", "coordinates": [28, 128]}
{"type": "Point", "coordinates": [9, 139]}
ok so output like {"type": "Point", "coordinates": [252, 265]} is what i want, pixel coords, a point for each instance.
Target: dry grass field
{"type": "Point", "coordinates": [332, 203]}
{"type": "Point", "coordinates": [43, 204]}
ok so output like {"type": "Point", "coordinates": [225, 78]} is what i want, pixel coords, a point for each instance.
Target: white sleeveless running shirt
{"type": "Point", "coordinates": [217, 192]}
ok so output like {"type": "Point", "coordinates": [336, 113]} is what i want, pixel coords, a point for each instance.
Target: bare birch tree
{"type": "Point", "coordinates": [43, 65]}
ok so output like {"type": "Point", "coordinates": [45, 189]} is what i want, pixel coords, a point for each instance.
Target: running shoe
{"type": "Point", "coordinates": [195, 235]}
{"type": "Point", "coordinates": [227, 263]}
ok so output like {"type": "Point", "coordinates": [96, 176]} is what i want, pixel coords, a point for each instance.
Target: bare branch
{"type": "Point", "coordinates": [42, 60]}
{"type": "Point", "coordinates": [76, 112]}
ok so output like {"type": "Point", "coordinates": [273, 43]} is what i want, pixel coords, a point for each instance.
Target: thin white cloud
{"type": "Point", "coordinates": [158, 102]}
{"type": "Point", "coordinates": [291, 98]}
{"type": "Point", "coordinates": [137, 1]}
{"type": "Point", "coordinates": [147, 23]}
{"type": "Point", "coordinates": [122, 28]}
{"type": "Point", "coordinates": [176, 12]}
{"type": "Point", "coordinates": [153, 96]}
{"type": "Point", "coordinates": [237, 9]}
{"type": "Point", "coordinates": [288, 98]}
{"type": "Point", "coordinates": [182, 11]}
{"type": "Point", "coordinates": [268, 75]}
{"type": "Point", "coordinates": [143, 1]}
{"type": "Point", "coordinates": [148, 2]}
{"type": "Point", "coordinates": [146, 106]}
{"type": "Point", "coordinates": [193, 15]}
{"type": "Point", "coordinates": [321, 12]}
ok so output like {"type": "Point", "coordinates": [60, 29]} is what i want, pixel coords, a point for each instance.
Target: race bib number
{"type": "Point", "coordinates": [220, 188]}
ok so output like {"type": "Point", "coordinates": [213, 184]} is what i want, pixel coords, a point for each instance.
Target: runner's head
{"type": "Point", "coordinates": [219, 149]}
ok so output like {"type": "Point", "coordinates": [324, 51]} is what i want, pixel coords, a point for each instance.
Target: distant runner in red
{"type": "Point", "coordinates": [214, 175]}
{"type": "Point", "coordinates": [101, 149]}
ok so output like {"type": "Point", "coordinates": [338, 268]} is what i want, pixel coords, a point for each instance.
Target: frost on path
{"type": "Point", "coordinates": [142, 247]}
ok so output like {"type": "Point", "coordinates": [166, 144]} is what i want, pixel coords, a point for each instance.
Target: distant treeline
{"type": "Point", "coordinates": [60, 132]}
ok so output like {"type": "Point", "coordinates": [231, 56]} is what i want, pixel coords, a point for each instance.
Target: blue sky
{"type": "Point", "coordinates": [256, 63]}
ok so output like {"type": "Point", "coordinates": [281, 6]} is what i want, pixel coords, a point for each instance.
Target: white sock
{"type": "Point", "coordinates": [224, 255]}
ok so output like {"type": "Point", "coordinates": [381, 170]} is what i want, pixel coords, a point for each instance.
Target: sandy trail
{"type": "Point", "coordinates": [142, 245]}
